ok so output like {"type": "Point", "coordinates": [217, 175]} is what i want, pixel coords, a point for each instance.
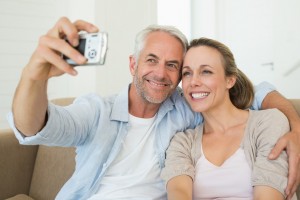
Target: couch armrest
{"type": "Point", "coordinates": [296, 104]}
{"type": "Point", "coordinates": [16, 165]}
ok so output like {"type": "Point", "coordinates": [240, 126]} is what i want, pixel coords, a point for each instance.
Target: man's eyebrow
{"type": "Point", "coordinates": [153, 55]}
{"type": "Point", "coordinates": [169, 61]}
{"type": "Point", "coordinates": [173, 61]}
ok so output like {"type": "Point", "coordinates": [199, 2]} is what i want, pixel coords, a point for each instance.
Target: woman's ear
{"type": "Point", "coordinates": [230, 81]}
{"type": "Point", "coordinates": [132, 64]}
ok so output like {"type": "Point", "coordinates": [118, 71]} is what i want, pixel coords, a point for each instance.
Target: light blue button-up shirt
{"type": "Point", "coordinates": [98, 126]}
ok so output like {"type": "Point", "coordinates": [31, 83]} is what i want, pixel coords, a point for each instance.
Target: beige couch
{"type": "Point", "coordinates": [33, 172]}
{"type": "Point", "coordinates": [38, 172]}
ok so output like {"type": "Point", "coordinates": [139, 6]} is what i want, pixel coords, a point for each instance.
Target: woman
{"type": "Point", "coordinates": [226, 156]}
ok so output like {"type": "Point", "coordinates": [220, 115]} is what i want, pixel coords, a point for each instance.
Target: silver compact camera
{"type": "Point", "coordinates": [93, 46]}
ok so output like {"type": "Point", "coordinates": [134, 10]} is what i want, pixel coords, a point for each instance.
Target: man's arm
{"type": "Point", "coordinates": [30, 105]}
{"type": "Point", "coordinates": [290, 141]}
{"type": "Point", "coordinates": [30, 100]}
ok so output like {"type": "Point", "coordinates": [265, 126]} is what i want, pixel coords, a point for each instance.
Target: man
{"type": "Point", "coordinates": [120, 140]}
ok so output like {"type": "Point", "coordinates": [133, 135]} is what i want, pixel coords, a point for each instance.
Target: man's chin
{"type": "Point", "coordinates": [157, 100]}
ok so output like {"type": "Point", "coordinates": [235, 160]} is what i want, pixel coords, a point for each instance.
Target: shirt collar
{"type": "Point", "coordinates": [120, 106]}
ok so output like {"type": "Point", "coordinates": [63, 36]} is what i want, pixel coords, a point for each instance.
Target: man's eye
{"type": "Point", "coordinates": [173, 66]}
{"type": "Point", "coordinates": [151, 60]}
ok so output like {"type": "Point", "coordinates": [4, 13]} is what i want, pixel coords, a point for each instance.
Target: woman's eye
{"type": "Point", "coordinates": [186, 73]}
{"type": "Point", "coordinates": [206, 72]}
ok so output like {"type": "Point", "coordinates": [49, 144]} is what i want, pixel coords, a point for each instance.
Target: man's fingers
{"type": "Point", "coordinates": [278, 148]}
{"type": "Point", "coordinates": [292, 193]}
{"type": "Point", "coordinates": [70, 30]}
{"type": "Point", "coordinates": [62, 47]}
{"type": "Point", "coordinates": [85, 26]}
{"type": "Point", "coordinates": [57, 61]}
{"type": "Point", "coordinates": [293, 170]}
{"type": "Point", "coordinates": [64, 28]}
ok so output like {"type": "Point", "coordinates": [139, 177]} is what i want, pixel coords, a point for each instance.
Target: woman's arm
{"type": "Point", "coordinates": [180, 188]}
{"type": "Point", "coordinates": [268, 175]}
{"type": "Point", "coordinates": [179, 169]}
{"type": "Point", "coordinates": [265, 192]}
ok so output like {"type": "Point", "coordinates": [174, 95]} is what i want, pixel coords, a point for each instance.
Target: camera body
{"type": "Point", "coordinates": [93, 46]}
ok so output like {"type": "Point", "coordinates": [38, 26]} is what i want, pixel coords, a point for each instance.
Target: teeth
{"type": "Point", "coordinates": [153, 83]}
{"type": "Point", "coordinates": [200, 95]}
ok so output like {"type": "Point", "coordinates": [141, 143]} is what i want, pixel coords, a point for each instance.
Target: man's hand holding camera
{"type": "Point", "coordinates": [47, 61]}
{"type": "Point", "coordinates": [31, 101]}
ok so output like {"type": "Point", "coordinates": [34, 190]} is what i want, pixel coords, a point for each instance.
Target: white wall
{"type": "Point", "coordinates": [122, 20]}
{"type": "Point", "coordinates": [262, 34]}
{"type": "Point", "coordinates": [176, 13]}
{"type": "Point", "coordinates": [23, 22]}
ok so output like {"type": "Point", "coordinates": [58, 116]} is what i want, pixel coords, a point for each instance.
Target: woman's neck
{"type": "Point", "coordinates": [224, 117]}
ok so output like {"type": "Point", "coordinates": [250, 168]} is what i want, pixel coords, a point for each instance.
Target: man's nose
{"type": "Point", "coordinates": [161, 70]}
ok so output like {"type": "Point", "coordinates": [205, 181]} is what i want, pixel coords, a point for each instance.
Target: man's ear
{"type": "Point", "coordinates": [132, 64]}
{"type": "Point", "coordinates": [230, 81]}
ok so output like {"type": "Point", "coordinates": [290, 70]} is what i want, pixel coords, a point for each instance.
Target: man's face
{"type": "Point", "coordinates": [157, 72]}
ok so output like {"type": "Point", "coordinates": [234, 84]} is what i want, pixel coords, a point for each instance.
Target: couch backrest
{"type": "Point", "coordinates": [16, 165]}
{"type": "Point", "coordinates": [296, 103]}
{"type": "Point", "coordinates": [53, 167]}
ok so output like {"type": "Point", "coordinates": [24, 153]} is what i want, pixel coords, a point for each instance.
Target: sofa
{"type": "Point", "coordinates": [38, 172]}
{"type": "Point", "coordinates": [33, 172]}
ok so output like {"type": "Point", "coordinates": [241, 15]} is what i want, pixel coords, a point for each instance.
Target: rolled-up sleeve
{"type": "Point", "coordinates": [66, 126]}
{"type": "Point", "coordinates": [261, 91]}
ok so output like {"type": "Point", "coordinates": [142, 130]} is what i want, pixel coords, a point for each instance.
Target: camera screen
{"type": "Point", "coordinates": [81, 46]}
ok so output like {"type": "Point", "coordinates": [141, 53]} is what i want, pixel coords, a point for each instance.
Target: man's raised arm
{"type": "Point", "coordinates": [30, 100]}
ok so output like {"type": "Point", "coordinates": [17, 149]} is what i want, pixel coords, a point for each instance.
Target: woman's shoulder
{"type": "Point", "coordinates": [187, 139]}
{"type": "Point", "coordinates": [268, 122]}
{"type": "Point", "coordinates": [189, 134]}
{"type": "Point", "coordinates": [268, 115]}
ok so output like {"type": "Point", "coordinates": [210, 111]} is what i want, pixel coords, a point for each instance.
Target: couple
{"type": "Point", "coordinates": [121, 140]}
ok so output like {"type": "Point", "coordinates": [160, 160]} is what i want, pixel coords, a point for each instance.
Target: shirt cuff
{"type": "Point", "coordinates": [261, 91]}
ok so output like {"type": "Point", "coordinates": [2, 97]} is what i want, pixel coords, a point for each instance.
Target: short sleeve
{"type": "Point", "coordinates": [261, 91]}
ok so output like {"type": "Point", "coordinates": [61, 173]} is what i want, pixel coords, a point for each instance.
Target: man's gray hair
{"type": "Point", "coordinates": [141, 37]}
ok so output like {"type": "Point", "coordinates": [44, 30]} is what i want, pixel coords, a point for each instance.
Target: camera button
{"type": "Point", "coordinates": [92, 53]}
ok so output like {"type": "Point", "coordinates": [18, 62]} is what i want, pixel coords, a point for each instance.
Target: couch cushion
{"type": "Point", "coordinates": [16, 165]}
{"type": "Point", "coordinates": [53, 167]}
{"type": "Point", "coordinates": [20, 197]}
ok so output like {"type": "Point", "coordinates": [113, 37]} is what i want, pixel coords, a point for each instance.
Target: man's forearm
{"type": "Point", "coordinates": [30, 105]}
{"type": "Point", "coordinates": [276, 100]}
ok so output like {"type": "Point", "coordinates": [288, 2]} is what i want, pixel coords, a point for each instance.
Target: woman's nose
{"type": "Point", "coordinates": [195, 80]}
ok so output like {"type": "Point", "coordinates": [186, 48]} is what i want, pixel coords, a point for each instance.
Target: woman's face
{"type": "Point", "coordinates": [203, 79]}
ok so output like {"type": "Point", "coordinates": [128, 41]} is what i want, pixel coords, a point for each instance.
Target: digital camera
{"type": "Point", "coordinates": [93, 46]}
